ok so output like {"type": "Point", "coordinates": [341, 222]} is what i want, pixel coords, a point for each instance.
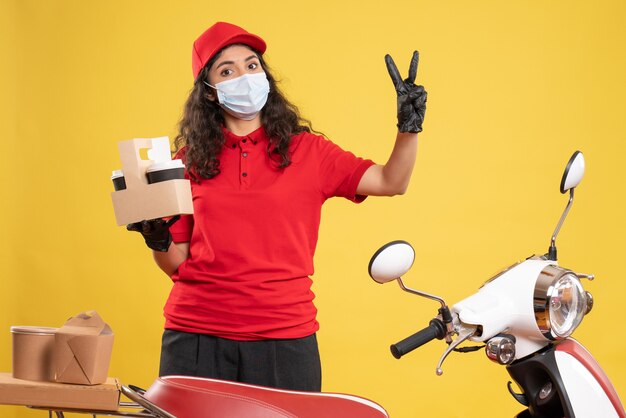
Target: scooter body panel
{"type": "Point", "coordinates": [504, 304]}
{"type": "Point", "coordinates": [590, 390]}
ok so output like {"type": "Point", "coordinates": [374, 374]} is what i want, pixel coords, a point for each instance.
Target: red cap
{"type": "Point", "coordinates": [217, 37]}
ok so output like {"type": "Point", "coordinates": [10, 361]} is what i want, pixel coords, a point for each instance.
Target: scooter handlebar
{"type": "Point", "coordinates": [435, 329]}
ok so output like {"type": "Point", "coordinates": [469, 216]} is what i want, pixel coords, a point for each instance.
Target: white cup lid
{"type": "Point", "coordinates": [116, 174]}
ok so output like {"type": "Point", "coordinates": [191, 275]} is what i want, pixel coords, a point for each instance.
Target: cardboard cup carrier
{"type": "Point", "coordinates": [152, 188]}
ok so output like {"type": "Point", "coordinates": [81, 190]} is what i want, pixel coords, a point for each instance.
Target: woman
{"type": "Point", "coordinates": [241, 306]}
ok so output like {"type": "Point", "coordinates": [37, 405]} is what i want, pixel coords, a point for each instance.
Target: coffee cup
{"type": "Point", "coordinates": [119, 182]}
{"type": "Point", "coordinates": [165, 170]}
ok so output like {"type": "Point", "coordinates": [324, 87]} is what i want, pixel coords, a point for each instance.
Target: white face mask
{"type": "Point", "coordinates": [243, 97]}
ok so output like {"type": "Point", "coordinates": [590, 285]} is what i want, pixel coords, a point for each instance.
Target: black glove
{"type": "Point", "coordinates": [156, 232]}
{"type": "Point", "coordinates": [411, 98]}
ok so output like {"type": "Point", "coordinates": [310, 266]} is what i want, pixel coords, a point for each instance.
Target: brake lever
{"type": "Point", "coordinates": [464, 334]}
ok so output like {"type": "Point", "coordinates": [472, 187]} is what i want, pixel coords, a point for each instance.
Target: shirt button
{"type": "Point", "coordinates": [244, 140]}
{"type": "Point", "coordinates": [245, 154]}
{"type": "Point", "coordinates": [234, 146]}
{"type": "Point", "coordinates": [244, 174]}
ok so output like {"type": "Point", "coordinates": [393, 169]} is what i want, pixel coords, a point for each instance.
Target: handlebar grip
{"type": "Point", "coordinates": [435, 329]}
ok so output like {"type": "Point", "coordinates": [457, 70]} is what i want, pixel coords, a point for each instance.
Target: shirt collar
{"type": "Point", "coordinates": [255, 137]}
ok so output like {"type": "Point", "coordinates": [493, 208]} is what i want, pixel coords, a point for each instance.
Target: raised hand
{"type": "Point", "coordinates": [411, 97]}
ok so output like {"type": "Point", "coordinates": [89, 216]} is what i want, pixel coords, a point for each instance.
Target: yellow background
{"type": "Point", "coordinates": [514, 88]}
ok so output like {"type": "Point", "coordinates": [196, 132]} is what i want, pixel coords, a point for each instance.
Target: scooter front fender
{"type": "Point", "coordinates": [564, 380]}
{"type": "Point", "coordinates": [589, 389]}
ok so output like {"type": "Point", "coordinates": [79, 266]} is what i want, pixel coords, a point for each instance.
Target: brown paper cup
{"type": "Point", "coordinates": [32, 353]}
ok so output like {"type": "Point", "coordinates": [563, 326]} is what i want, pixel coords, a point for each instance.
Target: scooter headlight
{"type": "Point", "coordinates": [560, 302]}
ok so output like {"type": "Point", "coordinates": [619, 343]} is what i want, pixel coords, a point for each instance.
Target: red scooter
{"type": "Point", "coordinates": [525, 316]}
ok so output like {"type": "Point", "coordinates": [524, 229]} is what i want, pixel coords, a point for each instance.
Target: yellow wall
{"type": "Point", "coordinates": [514, 88]}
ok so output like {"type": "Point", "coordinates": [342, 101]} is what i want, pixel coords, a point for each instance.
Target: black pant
{"type": "Point", "coordinates": [286, 364]}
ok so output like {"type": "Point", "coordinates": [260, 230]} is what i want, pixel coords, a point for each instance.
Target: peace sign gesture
{"type": "Point", "coordinates": [411, 98]}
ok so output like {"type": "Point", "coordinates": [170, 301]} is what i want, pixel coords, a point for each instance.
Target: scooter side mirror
{"type": "Point", "coordinates": [572, 176]}
{"type": "Point", "coordinates": [574, 172]}
{"type": "Point", "coordinates": [391, 261]}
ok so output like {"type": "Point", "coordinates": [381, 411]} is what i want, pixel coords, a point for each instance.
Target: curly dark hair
{"type": "Point", "coordinates": [200, 134]}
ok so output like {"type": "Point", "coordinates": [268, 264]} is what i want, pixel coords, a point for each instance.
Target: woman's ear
{"type": "Point", "coordinates": [211, 93]}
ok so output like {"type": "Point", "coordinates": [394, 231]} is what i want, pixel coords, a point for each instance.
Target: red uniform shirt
{"type": "Point", "coordinates": [252, 239]}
